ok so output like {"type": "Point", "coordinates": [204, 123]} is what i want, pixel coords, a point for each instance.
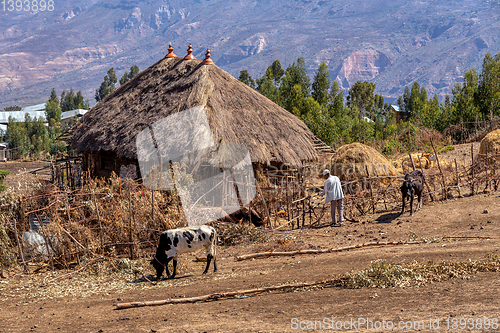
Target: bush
{"type": "Point", "coordinates": [392, 147]}
{"type": "Point", "coordinates": [3, 173]}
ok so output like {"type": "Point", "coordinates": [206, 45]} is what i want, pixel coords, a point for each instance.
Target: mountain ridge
{"type": "Point", "coordinates": [391, 43]}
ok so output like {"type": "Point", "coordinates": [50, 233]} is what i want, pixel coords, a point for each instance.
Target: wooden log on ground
{"type": "Point", "coordinates": [217, 296]}
{"type": "Point", "coordinates": [308, 251]}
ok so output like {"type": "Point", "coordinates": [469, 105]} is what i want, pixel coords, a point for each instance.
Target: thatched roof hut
{"type": "Point", "coordinates": [107, 134]}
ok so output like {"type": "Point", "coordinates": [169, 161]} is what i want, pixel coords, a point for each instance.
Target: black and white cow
{"type": "Point", "coordinates": [177, 241]}
{"type": "Point", "coordinates": [413, 185]}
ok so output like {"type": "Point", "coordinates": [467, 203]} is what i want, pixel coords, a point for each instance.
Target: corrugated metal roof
{"type": "Point", "coordinates": [38, 107]}
{"type": "Point", "coordinates": [72, 113]}
{"type": "Point", "coordinates": [19, 115]}
{"type": "Point", "coordinates": [395, 107]}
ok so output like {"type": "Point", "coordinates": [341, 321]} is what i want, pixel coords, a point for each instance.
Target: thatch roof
{"type": "Point", "coordinates": [235, 112]}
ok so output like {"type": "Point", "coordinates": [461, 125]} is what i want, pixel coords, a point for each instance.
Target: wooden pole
{"type": "Point", "coordinates": [152, 205]}
{"type": "Point", "coordinates": [458, 178]}
{"type": "Point", "coordinates": [441, 171]}
{"type": "Point", "coordinates": [472, 167]}
{"type": "Point", "coordinates": [21, 254]}
{"type": "Point", "coordinates": [101, 236]}
{"type": "Point", "coordinates": [131, 217]}
{"type": "Point", "coordinates": [487, 169]}
{"type": "Point", "coordinates": [303, 213]}
{"type": "Point", "coordinates": [426, 184]}
{"type": "Point", "coordinates": [371, 188]}
{"type": "Point", "coordinates": [217, 296]}
{"type": "Point", "coordinates": [265, 205]}
{"type": "Point", "coordinates": [412, 163]}
{"type": "Point", "coordinates": [393, 190]}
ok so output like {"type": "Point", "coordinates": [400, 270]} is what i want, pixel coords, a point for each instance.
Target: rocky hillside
{"type": "Point", "coordinates": [389, 42]}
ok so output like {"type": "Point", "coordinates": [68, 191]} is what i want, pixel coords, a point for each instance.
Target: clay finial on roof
{"type": "Point", "coordinates": [207, 60]}
{"type": "Point", "coordinates": [171, 53]}
{"type": "Point", "coordinates": [190, 55]}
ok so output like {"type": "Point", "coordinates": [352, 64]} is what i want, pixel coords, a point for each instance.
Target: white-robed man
{"type": "Point", "coordinates": [334, 195]}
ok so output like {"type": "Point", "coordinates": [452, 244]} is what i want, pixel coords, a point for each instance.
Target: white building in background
{"type": "Point", "coordinates": [68, 115]}
{"type": "Point", "coordinates": [33, 110]}
{"type": "Point", "coordinates": [37, 111]}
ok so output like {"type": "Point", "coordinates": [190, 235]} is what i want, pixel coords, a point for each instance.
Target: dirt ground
{"type": "Point", "coordinates": [18, 174]}
{"type": "Point", "coordinates": [85, 301]}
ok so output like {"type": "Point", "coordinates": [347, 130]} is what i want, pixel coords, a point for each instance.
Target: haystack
{"type": "Point", "coordinates": [236, 114]}
{"type": "Point", "coordinates": [353, 160]}
{"type": "Point", "coordinates": [490, 144]}
{"type": "Point", "coordinates": [426, 159]}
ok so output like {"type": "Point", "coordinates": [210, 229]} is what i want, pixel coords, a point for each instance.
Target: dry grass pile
{"type": "Point", "coordinates": [352, 161]}
{"type": "Point", "coordinates": [383, 275]}
{"type": "Point", "coordinates": [421, 160]}
{"type": "Point", "coordinates": [490, 143]}
{"type": "Point", "coordinates": [232, 234]}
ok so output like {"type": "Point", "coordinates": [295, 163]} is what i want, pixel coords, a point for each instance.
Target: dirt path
{"type": "Point", "coordinates": [27, 307]}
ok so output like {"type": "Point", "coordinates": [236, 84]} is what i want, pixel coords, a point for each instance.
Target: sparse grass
{"type": "Point", "coordinates": [380, 274]}
{"type": "Point", "coordinates": [3, 173]}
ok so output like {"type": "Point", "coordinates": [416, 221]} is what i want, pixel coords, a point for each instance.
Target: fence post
{"type": "Point", "coordinates": [458, 178]}
{"type": "Point", "coordinates": [99, 221]}
{"type": "Point", "coordinates": [265, 205]}
{"type": "Point", "coordinates": [441, 171]}
{"type": "Point", "coordinates": [21, 254]}
{"type": "Point", "coordinates": [371, 188]}
{"type": "Point", "coordinates": [412, 162]}
{"type": "Point", "coordinates": [472, 167]}
{"type": "Point", "coordinates": [131, 234]}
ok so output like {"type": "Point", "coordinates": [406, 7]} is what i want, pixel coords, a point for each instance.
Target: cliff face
{"type": "Point", "coordinates": [390, 42]}
{"type": "Point", "coordinates": [361, 66]}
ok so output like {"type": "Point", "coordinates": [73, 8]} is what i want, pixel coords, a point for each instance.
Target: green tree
{"type": "Point", "coordinates": [52, 110]}
{"type": "Point", "coordinates": [320, 84]}
{"type": "Point", "coordinates": [37, 133]}
{"type": "Point", "coordinates": [319, 120]}
{"type": "Point", "coordinates": [127, 76]}
{"type": "Point", "coordinates": [295, 86]}
{"type": "Point", "coordinates": [488, 93]}
{"type": "Point", "coordinates": [277, 72]}
{"type": "Point", "coordinates": [246, 79]}
{"type": "Point", "coordinates": [13, 108]}
{"type": "Point", "coordinates": [336, 100]}
{"type": "Point", "coordinates": [412, 101]}
{"type": "Point", "coordinates": [68, 100]}
{"type": "Point", "coordinates": [265, 85]}
{"type": "Point", "coordinates": [107, 86]}
{"type": "Point", "coordinates": [16, 137]}
{"type": "Point", "coordinates": [430, 114]}
{"type": "Point", "coordinates": [361, 95]}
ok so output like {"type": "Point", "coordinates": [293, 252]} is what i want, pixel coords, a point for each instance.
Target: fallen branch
{"type": "Point", "coordinates": [217, 296]}
{"type": "Point", "coordinates": [293, 233]}
{"type": "Point", "coordinates": [346, 248]}
{"type": "Point", "coordinates": [73, 272]}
